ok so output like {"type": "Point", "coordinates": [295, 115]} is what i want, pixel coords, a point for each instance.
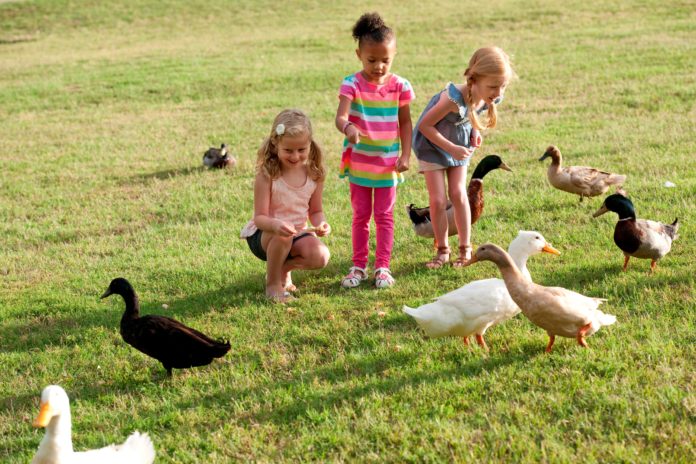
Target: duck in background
{"type": "Point", "coordinates": [580, 180]}
{"type": "Point", "coordinates": [163, 338]}
{"type": "Point", "coordinates": [640, 238]}
{"type": "Point", "coordinates": [218, 158]}
{"type": "Point", "coordinates": [557, 310]}
{"type": "Point", "coordinates": [56, 446]}
{"type": "Point", "coordinates": [478, 305]}
{"type": "Point", "coordinates": [420, 217]}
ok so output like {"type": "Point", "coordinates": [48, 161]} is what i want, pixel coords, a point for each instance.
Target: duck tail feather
{"type": "Point", "coordinates": [138, 445]}
{"type": "Point", "coordinates": [606, 319]}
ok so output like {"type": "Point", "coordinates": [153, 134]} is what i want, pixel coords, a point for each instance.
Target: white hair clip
{"type": "Point", "coordinates": [280, 129]}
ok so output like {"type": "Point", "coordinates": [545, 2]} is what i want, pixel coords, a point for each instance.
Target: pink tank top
{"type": "Point", "coordinates": [288, 203]}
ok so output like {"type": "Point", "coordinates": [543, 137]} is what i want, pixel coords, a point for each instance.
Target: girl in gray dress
{"type": "Point", "coordinates": [446, 136]}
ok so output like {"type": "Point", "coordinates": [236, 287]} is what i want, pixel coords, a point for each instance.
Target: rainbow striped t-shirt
{"type": "Point", "coordinates": [374, 110]}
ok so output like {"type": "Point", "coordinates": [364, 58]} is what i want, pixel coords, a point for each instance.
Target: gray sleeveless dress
{"type": "Point", "coordinates": [455, 127]}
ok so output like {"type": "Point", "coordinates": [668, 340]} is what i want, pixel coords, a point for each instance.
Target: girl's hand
{"type": "Point", "coordinates": [284, 229]}
{"type": "Point", "coordinates": [460, 153]}
{"type": "Point", "coordinates": [352, 134]}
{"type": "Point", "coordinates": [402, 164]}
{"type": "Point", "coordinates": [476, 139]}
{"type": "Point", "coordinates": [323, 229]}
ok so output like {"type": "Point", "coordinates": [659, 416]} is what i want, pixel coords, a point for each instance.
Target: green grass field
{"type": "Point", "coordinates": [106, 111]}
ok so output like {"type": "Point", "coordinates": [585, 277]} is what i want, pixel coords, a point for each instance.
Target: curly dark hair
{"type": "Point", "coordinates": [371, 26]}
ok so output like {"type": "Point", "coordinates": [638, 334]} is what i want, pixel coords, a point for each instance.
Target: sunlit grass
{"type": "Point", "coordinates": [106, 111]}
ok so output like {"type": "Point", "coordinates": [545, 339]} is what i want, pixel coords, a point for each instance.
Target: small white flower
{"type": "Point", "coordinates": [280, 129]}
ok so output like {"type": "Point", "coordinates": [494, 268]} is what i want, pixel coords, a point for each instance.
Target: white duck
{"type": "Point", "coordinates": [478, 305]}
{"type": "Point", "coordinates": [557, 310]}
{"type": "Point", "coordinates": [56, 446]}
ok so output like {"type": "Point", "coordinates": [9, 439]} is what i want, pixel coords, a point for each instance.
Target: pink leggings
{"type": "Point", "coordinates": [361, 200]}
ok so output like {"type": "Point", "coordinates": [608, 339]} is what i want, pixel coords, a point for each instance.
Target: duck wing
{"type": "Point", "coordinates": [558, 310]}
{"type": "Point", "coordinates": [171, 342]}
{"type": "Point", "coordinates": [137, 449]}
{"type": "Point", "coordinates": [655, 238]}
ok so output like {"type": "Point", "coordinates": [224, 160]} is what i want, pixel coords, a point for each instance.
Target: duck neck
{"type": "Point", "coordinates": [626, 211]}
{"type": "Point", "coordinates": [481, 170]}
{"type": "Point", "coordinates": [520, 257]}
{"type": "Point", "coordinates": [58, 438]}
{"type": "Point", "coordinates": [132, 305]}
{"type": "Point", "coordinates": [513, 277]}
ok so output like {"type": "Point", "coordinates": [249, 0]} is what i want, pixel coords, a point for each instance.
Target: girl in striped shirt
{"type": "Point", "coordinates": [374, 115]}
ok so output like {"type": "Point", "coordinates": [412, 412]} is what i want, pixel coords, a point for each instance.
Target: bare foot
{"type": "Point", "coordinates": [289, 286]}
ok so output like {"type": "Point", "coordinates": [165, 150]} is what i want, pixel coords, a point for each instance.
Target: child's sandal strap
{"type": "Point", "coordinates": [440, 258]}
{"type": "Point", "coordinates": [462, 259]}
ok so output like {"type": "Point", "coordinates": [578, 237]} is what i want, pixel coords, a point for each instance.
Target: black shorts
{"type": "Point", "coordinates": [255, 244]}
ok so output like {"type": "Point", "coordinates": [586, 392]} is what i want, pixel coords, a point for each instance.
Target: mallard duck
{"type": "Point", "coordinates": [559, 311]}
{"type": "Point", "coordinates": [639, 238]}
{"type": "Point", "coordinates": [479, 305]}
{"type": "Point", "coordinates": [580, 180]}
{"type": "Point", "coordinates": [163, 338]}
{"type": "Point", "coordinates": [56, 446]}
{"type": "Point", "coordinates": [218, 158]}
{"type": "Point", "coordinates": [420, 217]}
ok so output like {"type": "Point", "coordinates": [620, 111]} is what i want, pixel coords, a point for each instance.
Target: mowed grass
{"type": "Point", "coordinates": [106, 111]}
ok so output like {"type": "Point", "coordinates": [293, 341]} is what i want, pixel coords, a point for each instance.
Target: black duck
{"type": "Point", "coordinates": [163, 338]}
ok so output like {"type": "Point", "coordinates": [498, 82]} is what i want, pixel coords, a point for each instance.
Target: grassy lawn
{"type": "Point", "coordinates": [106, 111]}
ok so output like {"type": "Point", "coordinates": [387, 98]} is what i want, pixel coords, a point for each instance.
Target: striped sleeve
{"type": "Point", "coordinates": [407, 95]}
{"type": "Point", "coordinates": [348, 88]}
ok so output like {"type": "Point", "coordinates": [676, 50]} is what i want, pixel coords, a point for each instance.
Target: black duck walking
{"type": "Point", "coordinates": [163, 338]}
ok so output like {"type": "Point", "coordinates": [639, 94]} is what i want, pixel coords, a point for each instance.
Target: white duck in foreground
{"type": "Point", "coordinates": [56, 446]}
{"type": "Point", "coordinates": [478, 305]}
{"type": "Point", "coordinates": [557, 310]}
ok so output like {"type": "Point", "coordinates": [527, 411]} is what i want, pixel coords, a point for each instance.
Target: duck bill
{"type": "Point", "coordinates": [505, 167]}
{"type": "Point", "coordinates": [602, 209]}
{"type": "Point", "coordinates": [544, 156]}
{"type": "Point", "coordinates": [106, 293]}
{"type": "Point", "coordinates": [549, 249]}
{"type": "Point", "coordinates": [473, 260]}
{"type": "Point", "coordinates": [44, 417]}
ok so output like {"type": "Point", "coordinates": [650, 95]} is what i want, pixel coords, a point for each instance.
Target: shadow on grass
{"type": "Point", "coordinates": [168, 173]}
{"type": "Point", "coordinates": [346, 384]}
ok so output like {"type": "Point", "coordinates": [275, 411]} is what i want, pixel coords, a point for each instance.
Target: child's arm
{"type": "Point", "coordinates": [343, 124]}
{"type": "Point", "coordinates": [432, 117]}
{"type": "Point", "coordinates": [405, 133]}
{"type": "Point", "coordinates": [262, 204]}
{"type": "Point", "coordinates": [316, 212]}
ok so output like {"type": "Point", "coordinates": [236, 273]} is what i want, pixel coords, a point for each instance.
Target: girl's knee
{"type": "Point", "coordinates": [438, 204]}
{"type": "Point", "coordinates": [319, 257]}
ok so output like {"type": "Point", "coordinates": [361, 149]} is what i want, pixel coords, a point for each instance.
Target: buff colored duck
{"type": "Point", "coordinates": [478, 305]}
{"type": "Point", "coordinates": [56, 446]}
{"type": "Point", "coordinates": [580, 180]}
{"type": "Point", "coordinates": [640, 238]}
{"type": "Point", "coordinates": [559, 311]}
{"type": "Point", "coordinates": [420, 217]}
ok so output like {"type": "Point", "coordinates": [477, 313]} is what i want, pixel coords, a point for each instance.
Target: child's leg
{"type": "Point", "coordinates": [308, 252]}
{"type": "Point", "coordinates": [361, 201]}
{"type": "Point", "coordinates": [385, 198]}
{"type": "Point", "coordinates": [456, 179]}
{"type": "Point", "coordinates": [435, 182]}
{"type": "Point", "coordinates": [277, 249]}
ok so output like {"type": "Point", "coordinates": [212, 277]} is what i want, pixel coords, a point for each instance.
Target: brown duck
{"type": "Point", "coordinates": [580, 180]}
{"type": "Point", "coordinates": [557, 310]}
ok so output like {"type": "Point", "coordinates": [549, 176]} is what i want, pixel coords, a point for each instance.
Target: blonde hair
{"type": "Point", "coordinates": [294, 122]}
{"type": "Point", "coordinates": [486, 62]}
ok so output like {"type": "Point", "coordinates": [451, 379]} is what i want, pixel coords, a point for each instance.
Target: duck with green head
{"type": "Point", "coordinates": [420, 217]}
{"type": "Point", "coordinates": [639, 238]}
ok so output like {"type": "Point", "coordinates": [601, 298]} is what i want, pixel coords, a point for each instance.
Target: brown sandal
{"type": "Point", "coordinates": [464, 256]}
{"type": "Point", "coordinates": [440, 258]}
